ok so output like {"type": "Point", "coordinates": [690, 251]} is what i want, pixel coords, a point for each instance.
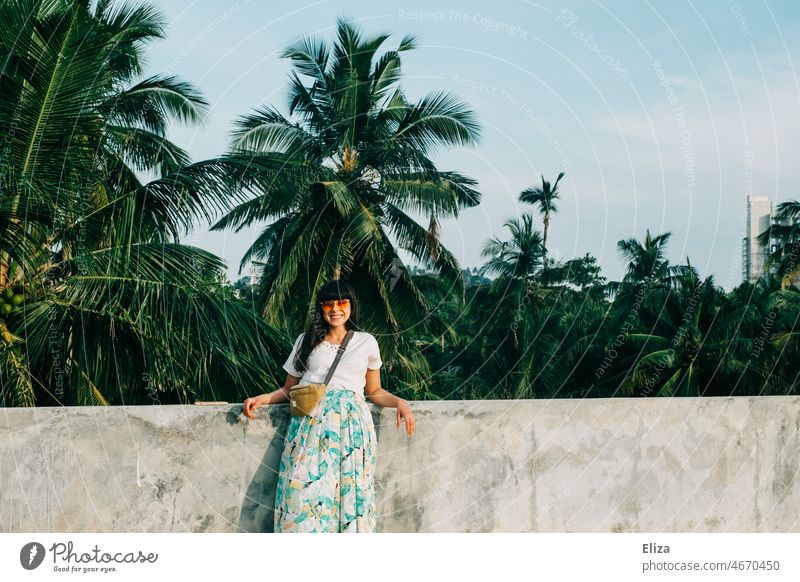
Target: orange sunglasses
{"type": "Point", "coordinates": [327, 306]}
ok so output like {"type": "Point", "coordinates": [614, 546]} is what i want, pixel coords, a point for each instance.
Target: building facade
{"type": "Point", "coordinates": [760, 214]}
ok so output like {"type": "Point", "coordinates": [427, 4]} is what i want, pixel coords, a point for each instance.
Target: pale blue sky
{"type": "Point", "coordinates": [663, 115]}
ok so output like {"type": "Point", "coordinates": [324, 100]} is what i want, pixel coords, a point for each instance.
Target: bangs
{"type": "Point", "coordinates": [332, 294]}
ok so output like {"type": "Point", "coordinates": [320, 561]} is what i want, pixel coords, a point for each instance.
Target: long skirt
{"type": "Point", "coordinates": [326, 480]}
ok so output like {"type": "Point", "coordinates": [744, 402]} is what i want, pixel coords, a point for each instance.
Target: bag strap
{"type": "Point", "coordinates": [339, 353]}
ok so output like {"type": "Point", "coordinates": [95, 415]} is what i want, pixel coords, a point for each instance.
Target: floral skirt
{"type": "Point", "coordinates": [326, 480]}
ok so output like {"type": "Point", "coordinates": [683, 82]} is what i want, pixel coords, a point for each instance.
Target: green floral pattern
{"type": "Point", "coordinates": [326, 480]}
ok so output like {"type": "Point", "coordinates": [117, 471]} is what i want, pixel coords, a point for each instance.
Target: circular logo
{"type": "Point", "coordinates": [31, 555]}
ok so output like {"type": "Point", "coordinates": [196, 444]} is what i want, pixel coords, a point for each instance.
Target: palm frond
{"type": "Point", "coordinates": [439, 119]}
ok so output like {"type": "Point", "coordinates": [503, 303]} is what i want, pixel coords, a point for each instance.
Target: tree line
{"type": "Point", "coordinates": [100, 302]}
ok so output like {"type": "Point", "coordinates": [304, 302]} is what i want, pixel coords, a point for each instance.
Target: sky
{"type": "Point", "coordinates": [663, 115]}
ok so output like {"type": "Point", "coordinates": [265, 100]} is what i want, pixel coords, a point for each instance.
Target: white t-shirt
{"type": "Point", "coordinates": [362, 352]}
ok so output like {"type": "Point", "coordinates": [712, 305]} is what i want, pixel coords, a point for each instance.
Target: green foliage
{"type": "Point", "coordinates": [352, 158]}
{"type": "Point", "coordinates": [101, 304]}
{"type": "Point", "coordinates": [106, 307]}
{"type": "Point", "coordinates": [661, 331]}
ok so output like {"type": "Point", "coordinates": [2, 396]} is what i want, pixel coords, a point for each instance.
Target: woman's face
{"type": "Point", "coordinates": [338, 314]}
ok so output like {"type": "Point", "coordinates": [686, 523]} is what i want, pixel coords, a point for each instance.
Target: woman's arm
{"type": "Point", "coordinates": [274, 397]}
{"type": "Point", "coordinates": [381, 397]}
{"type": "Point", "coordinates": [281, 394]}
{"type": "Point", "coordinates": [376, 394]}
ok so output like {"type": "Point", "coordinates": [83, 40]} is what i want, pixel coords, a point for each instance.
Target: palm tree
{"type": "Point", "coordinates": [647, 265]}
{"type": "Point", "coordinates": [105, 305]}
{"type": "Point", "coordinates": [355, 158]}
{"type": "Point", "coordinates": [665, 348]}
{"type": "Point", "coordinates": [519, 260]}
{"type": "Point", "coordinates": [695, 342]}
{"type": "Point", "coordinates": [785, 342]}
{"type": "Point", "coordinates": [514, 294]}
{"type": "Point", "coordinates": [759, 320]}
{"type": "Point", "coordinates": [545, 197]}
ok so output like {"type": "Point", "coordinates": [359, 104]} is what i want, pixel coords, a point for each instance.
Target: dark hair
{"type": "Point", "coordinates": [335, 289]}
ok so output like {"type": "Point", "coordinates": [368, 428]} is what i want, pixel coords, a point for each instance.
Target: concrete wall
{"type": "Point", "coordinates": [600, 465]}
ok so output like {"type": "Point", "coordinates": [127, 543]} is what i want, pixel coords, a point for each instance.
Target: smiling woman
{"type": "Point", "coordinates": [326, 481]}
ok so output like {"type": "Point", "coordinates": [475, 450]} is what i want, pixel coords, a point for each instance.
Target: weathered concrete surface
{"type": "Point", "coordinates": [599, 465]}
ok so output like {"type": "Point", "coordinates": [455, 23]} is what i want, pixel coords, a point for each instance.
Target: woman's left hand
{"type": "Point", "coordinates": [404, 414]}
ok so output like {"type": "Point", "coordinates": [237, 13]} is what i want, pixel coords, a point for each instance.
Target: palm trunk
{"type": "Point", "coordinates": [544, 238]}
{"type": "Point", "coordinates": [432, 238]}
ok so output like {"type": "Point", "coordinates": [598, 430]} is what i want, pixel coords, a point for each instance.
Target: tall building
{"type": "Point", "coordinates": [758, 211]}
{"type": "Point", "coordinates": [760, 215]}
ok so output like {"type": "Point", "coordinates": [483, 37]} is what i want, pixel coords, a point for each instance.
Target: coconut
{"type": "Point", "coordinates": [5, 308]}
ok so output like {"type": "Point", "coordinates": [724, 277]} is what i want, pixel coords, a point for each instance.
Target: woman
{"type": "Point", "coordinates": [326, 480]}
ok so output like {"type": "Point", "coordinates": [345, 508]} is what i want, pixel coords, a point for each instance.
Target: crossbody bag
{"type": "Point", "coordinates": [303, 398]}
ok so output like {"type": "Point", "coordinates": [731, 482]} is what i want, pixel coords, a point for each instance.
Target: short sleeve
{"type": "Point", "coordinates": [374, 357]}
{"type": "Point", "coordinates": [289, 365]}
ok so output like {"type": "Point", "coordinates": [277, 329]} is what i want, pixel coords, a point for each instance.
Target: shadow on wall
{"type": "Point", "coordinates": [257, 514]}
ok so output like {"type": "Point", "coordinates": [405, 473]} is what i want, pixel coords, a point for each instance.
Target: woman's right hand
{"type": "Point", "coordinates": [251, 404]}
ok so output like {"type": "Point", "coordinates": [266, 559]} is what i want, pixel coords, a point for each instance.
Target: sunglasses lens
{"type": "Point", "coordinates": [341, 304]}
